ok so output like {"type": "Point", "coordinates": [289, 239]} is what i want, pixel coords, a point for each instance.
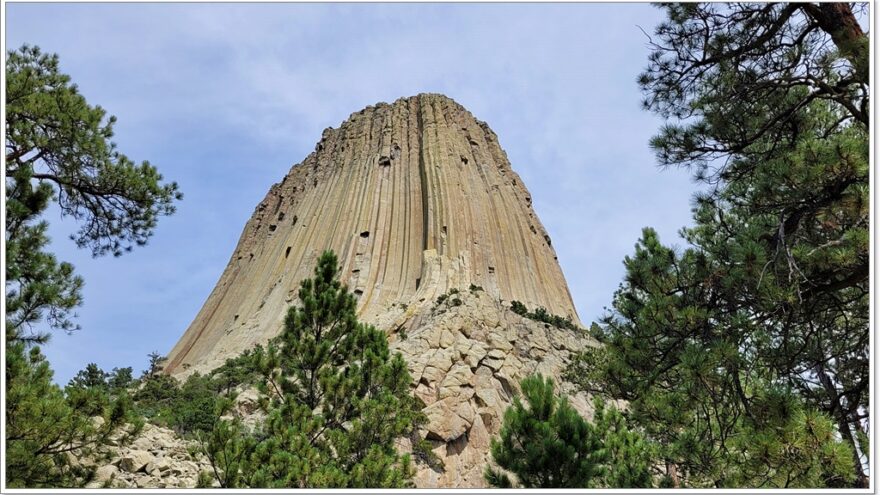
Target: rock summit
{"type": "Point", "coordinates": [436, 236]}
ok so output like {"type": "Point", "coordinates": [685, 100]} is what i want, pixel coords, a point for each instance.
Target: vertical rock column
{"type": "Point", "coordinates": [416, 197]}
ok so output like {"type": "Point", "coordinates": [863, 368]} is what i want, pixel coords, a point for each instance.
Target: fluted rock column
{"type": "Point", "coordinates": [416, 197]}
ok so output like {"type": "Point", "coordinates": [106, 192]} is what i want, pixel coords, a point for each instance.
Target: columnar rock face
{"type": "Point", "coordinates": [417, 198]}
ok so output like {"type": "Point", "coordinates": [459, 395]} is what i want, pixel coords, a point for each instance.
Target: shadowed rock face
{"type": "Point", "coordinates": [416, 198]}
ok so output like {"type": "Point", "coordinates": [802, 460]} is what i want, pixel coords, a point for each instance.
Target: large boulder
{"type": "Point", "coordinates": [103, 476]}
{"type": "Point", "coordinates": [135, 461]}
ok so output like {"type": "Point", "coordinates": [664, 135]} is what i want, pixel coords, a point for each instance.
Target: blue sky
{"type": "Point", "coordinates": [224, 98]}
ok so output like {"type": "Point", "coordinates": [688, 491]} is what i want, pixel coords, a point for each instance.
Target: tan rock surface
{"type": "Point", "coordinates": [135, 461]}
{"type": "Point", "coordinates": [166, 463]}
{"type": "Point", "coordinates": [416, 198]}
{"type": "Point", "coordinates": [469, 384]}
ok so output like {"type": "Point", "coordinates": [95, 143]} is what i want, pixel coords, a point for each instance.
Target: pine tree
{"type": "Point", "coordinates": [337, 402]}
{"type": "Point", "coordinates": [47, 430]}
{"type": "Point", "coordinates": [547, 444]}
{"type": "Point", "coordinates": [227, 445]}
{"type": "Point", "coordinates": [38, 287]}
{"type": "Point", "coordinates": [682, 363]}
{"type": "Point", "coordinates": [120, 379]}
{"type": "Point", "coordinates": [757, 332]}
{"type": "Point", "coordinates": [58, 148]}
{"type": "Point", "coordinates": [90, 377]}
{"type": "Point", "coordinates": [631, 456]}
{"type": "Point", "coordinates": [240, 370]}
{"type": "Point", "coordinates": [89, 387]}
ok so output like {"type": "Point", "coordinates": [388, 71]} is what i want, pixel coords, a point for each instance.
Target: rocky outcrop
{"type": "Point", "coordinates": [418, 200]}
{"type": "Point", "coordinates": [157, 458]}
{"type": "Point", "coordinates": [415, 197]}
{"type": "Point", "coordinates": [467, 361]}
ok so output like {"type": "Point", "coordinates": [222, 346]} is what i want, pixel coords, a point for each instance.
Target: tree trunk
{"type": "Point", "coordinates": [846, 433]}
{"type": "Point", "coordinates": [843, 427]}
{"type": "Point", "coordinates": [672, 472]}
{"type": "Point", "coordinates": [838, 21]}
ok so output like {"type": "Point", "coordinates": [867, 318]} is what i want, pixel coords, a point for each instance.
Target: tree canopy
{"type": "Point", "coordinates": [337, 401]}
{"type": "Point", "coordinates": [758, 329]}
{"type": "Point", "coordinates": [545, 443]}
{"type": "Point", "coordinates": [48, 429]}
{"type": "Point", "coordinates": [59, 149]}
{"type": "Point", "coordinates": [53, 136]}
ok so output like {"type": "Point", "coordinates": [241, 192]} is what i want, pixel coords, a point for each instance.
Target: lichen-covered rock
{"type": "Point", "coordinates": [247, 402]}
{"type": "Point", "coordinates": [157, 466]}
{"type": "Point", "coordinates": [167, 463]}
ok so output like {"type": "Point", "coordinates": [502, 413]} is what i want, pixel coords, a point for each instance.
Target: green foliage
{"type": "Point", "coordinates": [682, 366]}
{"type": "Point", "coordinates": [155, 364]}
{"type": "Point", "coordinates": [205, 479]}
{"type": "Point", "coordinates": [189, 407]}
{"type": "Point", "coordinates": [227, 446]}
{"type": "Point", "coordinates": [193, 408]}
{"type": "Point", "coordinates": [90, 377]}
{"type": "Point", "coordinates": [55, 137]}
{"type": "Point", "coordinates": [156, 398]}
{"type": "Point", "coordinates": [541, 314]}
{"type": "Point", "coordinates": [95, 388]}
{"type": "Point", "coordinates": [46, 429]}
{"type": "Point", "coordinates": [337, 401]}
{"type": "Point", "coordinates": [742, 79]}
{"type": "Point", "coordinates": [864, 442]}
{"type": "Point", "coordinates": [741, 353]}
{"type": "Point", "coordinates": [519, 308]}
{"type": "Point", "coordinates": [791, 447]}
{"type": "Point", "coordinates": [120, 378]}
{"type": "Point", "coordinates": [549, 445]}
{"type": "Point", "coordinates": [58, 148]}
{"type": "Point", "coordinates": [449, 298]}
{"type": "Point", "coordinates": [38, 287]}
{"type": "Point", "coordinates": [631, 457]}
{"type": "Point", "coordinates": [242, 370]}
{"type": "Point", "coordinates": [422, 450]}
{"type": "Point", "coordinates": [475, 288]}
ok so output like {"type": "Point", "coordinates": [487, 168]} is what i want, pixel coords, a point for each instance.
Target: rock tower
{"type": "Point", "coordinates": [417, 199]}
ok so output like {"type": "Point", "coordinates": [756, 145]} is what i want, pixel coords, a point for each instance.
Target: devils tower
{"type": "Point", "coordinates": [418, 200]}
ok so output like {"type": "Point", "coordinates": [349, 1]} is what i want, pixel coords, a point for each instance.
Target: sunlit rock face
{"type": "Point", "coordinates": [417, 198]}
